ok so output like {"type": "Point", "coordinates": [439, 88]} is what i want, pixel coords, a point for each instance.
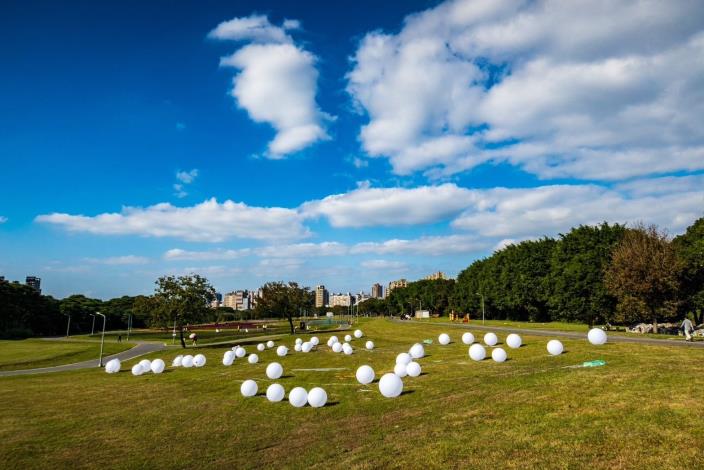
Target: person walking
{"type": "Point", "coordinates": [119, 338]}
{"type": "Point", "coordinates": [688, 329]}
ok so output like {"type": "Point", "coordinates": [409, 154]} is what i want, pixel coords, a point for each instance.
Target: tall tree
{"type": "Point", "coordinates": [284, 300]}
{"type": "Point", "coordinates": [645, 270]}
{"type": "Point", "coordinates": [690, 249]}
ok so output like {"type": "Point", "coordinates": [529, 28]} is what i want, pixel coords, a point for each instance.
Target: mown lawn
{"type": "Point", "coordinates": [35, 353]}
{"type": "Point", "coordinates": [533, 411]}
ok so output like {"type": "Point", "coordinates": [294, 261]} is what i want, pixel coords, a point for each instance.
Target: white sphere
{"type": "Point", "coordinates": [235, 348]}
{"type": "Point", "coordinates": [297, 347]}
{"type": "Point", "coordinates": [158, 366]}
{"type": "Point", "coordinates": [369, 345]}
{"type": "Point", "coordinates": [260, 347]}
{"type": "Point", "coordinates": [146, 365]}
{"type": "Point", "coordinates": [477, 352]}
{"type": "Point", "coordinates": [317, 397]}
{"type": "Point", "coordinates": [400, 370]}
{"type": "Point", "coordinates": [365, 375]}
{"type": "Point", "coordinates": [228, 358]}
{"type": "Point", "coordinates": [253, 358]}
{"type": "Point", "coordinates": [498, 355]}
{"type": "Point", "coordinates": [403, 358]}
{"type": "Point", "coordinates": [241, 352]}
{"type": "Point", "coordinates": [275, 392]}
{"type": "Point", "coordinates": [333, 340]}
{"type": "Point", "coordinates": [417, 351]}
{"type": "Point", "coordinates": [490, 339]}
{"type": "Point", "coordinates": [337, 347]}
{"type": "Point", "coordinates": [514, 341]}
{"type": "Point", "coordinates": [358, 333]}
{"type": "Point", "coordinates": [298, 397]}
{"type": "Point", "coordinates": [249, 388]}
{"type": "Point", "coordinates": [281, 351]}
{"type": "Point", "coordinates": [596, 336]}
{"type": "Point", "coordinates": [269, 344]}
{"type": "Point", "coordinates": [390, 385]}
{"type": "Point", "coordinates": [187, 361]}
{"type": "Point", "coordinates": [348, 338]}
{"type": "Point", "coordinates": [306, 347]}
{"type": "Point", "coordinates": [199, 360]}
{"type": "Point", "coordinates": [347, 349]}
{"type": "Point", "coordinates": [274, 370]}
{"type": "Point", "coordinates": [468, 338]}
{"type": "Point", "coordinates": [113, 366]}
{"type": "Point", "coordinates": [444, 339]}
{"type": "Point", "coordinates": [178, 361]}
{"type": "Point", "coordinates": [299, 341]}
{"type": "Point", "coordinates": [137, 369]}
{"type": "Point", "coordinates": [314, 341]}
{"type": "Point", "coordinates": [413, 369]}
{"type": "Point", "coordinates": [555, 347]}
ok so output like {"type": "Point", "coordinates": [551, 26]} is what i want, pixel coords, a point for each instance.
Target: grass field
{"type": "Point", "coordinates": [35, 353]}
{"type": "Point", "coordinates": [533, 411]}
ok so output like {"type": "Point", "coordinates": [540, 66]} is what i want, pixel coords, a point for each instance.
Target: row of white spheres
{"type": "Point", "coordinates": [189, 361]}
{"type": "Point", "coordinates": [230, 357]}
{"type": "Point", "coordinates": [298, 396]}
{"type": "Point", "coordinates": [156, 366]}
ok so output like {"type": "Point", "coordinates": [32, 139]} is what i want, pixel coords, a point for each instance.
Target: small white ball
{"type": "Point", "coordinates": [146, 365]}
{"type": "Point", "coordinates": [369, 345]}
{"type": "Point", "coordinates": [413, 369]}
{"type": "Point", "coordinates": [260, 347]}
{"type": "Point", "coordinates": [253, 358]}
{"type": "Point", "coordinates": [444, 339]}
{"type": "Point", "coordinates": [199, 360]}
{"type": "Point", "coordinates": [400, 370]}
{"type": "Point", "coordinates": [348, 338]}
{"type": "Point", "coordinates": [298, 397]}
{"type": "Point", "coordinates": [337, 347]}
{"type": "Point", "coordinates": [269, 344]}
{"type": "Point", "coordinates": [275, 393]}
{"type": "Point", "coordinates": [490, 339]}
{"type": "Point", "coordinates": [477, 352]}
{"type": "Point", "coordinates": [365, 375]}
{"type": "Point", "coordinates": [390, 385]}
{"type": "Point", "coordinates": [347, 349]}
{"type": "Point", "coordinates": [297, 347]}
{"type": "Point", "coordinates": [333, 340]}
{"type": "Point", "coordinates": [306, 347]}
{"type": "Point", "coordinates": [597, 336]}
{"type": "Point", "coordinates": [498, 355]}
{"type": "Point", "coordinates": [555, 347]}
{"type": "Point", "coordinates": [228, 358]}
{"type": "Point", "coordinates": [358, 334]}
{"type": "Point", "coordinates": [403, 358]}
{"type": "Point", "coordinates": [468, 338]}
{"type": "Point", "coordinates": [514, 341]}
{"type": "Point", "coordinates": [113, 366]}
{"type": "Point", "coordinates": [299, 341]}
{"type": "Point", "coordinates": [178, 361]}
{"type": "Point", "coordinates": [281, 351]}
{"type": "Point", "coordinates": [274, 370]}
{"type": "Point", "coordinates": [249, 388]}
{"type": "Point", "coordinates": [187, 361]}
{"type": "Point", "coordinates": [317, 397]}
{"type": "Point", "coordinates": [158, 366]}
{"type": "Point", "coordinates": [314, 341]}
{"type": "Point", "coordinates": [241, 352]}
{"type": "Point", "coordinates": [137, 369]}
{"type": "Point", "coordinates": [417, 351]}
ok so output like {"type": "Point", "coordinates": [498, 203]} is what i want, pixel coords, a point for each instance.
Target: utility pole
{"type": "Point", "coordinates": [92, 327]}
{"type": "Point", "coordinates": [68, 326]}
{"type": "Point", "coordinates": [129, 326]}
{"type": "Point", "coordinates": [102, 340]}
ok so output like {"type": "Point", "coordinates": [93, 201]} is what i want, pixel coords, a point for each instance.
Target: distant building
{"type": "Point", "coordinates": [229, 300]}
{"type": "Point", "coordinates": [322, 296]}
{"type": "Point", "coordinates": [377, 291]}
{"type": "Point", "coordinates": [361, 297]}
{"type": "Point", "coordinates": [341, 300]}
{"type": "Point", "coordinates": [395, 285]}
{"type": "Point", "coordinates": [237, 300]}
{"type": "Point", "coordinates": [217, 302]}
{"type": "Point", "coordinates": [436, 276]}
{"type": "Point", "coordinates": [35, 283]}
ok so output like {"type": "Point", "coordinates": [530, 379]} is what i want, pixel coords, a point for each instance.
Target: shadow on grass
{"type": "Point", "coordinates": [407, 392]}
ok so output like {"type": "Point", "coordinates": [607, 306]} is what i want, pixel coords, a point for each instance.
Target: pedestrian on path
{"type": "Point", "coordinates": [688, 329]}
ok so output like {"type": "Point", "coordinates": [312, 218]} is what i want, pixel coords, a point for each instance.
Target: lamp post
{"type": "Point", "coordinates": [129, 326]}
{"type": "Point", "coordinates": [69, 323]}
{"type": "Point", "coordinates": [482, 295]}
{"type": "Point", "coordinates": [92, 327]}
{"type": "Point", "coordinates": [102, 340]}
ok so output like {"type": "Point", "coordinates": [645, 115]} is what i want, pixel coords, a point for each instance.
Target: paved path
{"type": "Point", "coordinates": [565, 334]}
{"type": "Point", "coordinates": [139, 350]}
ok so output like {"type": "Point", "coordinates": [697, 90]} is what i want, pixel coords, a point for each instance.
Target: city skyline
{"type": "Point", "coordinates": [256, 142]}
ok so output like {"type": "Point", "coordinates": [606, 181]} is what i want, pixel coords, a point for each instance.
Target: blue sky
{"type": "Point", "coordinates": [346, 144]}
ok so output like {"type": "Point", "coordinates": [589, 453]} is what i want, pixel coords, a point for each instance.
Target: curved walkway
{"type": "Point", "coordinates": [139, 350]}
{"type": "Point", "coordinates": [564, 334]}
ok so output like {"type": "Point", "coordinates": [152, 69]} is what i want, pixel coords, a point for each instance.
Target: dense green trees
{"type": "Point", "coordinates": [432, 295]}
{"type": "Point", "coordinates": [284, 300]}
{"type": "Point", "coordinates": [690, 249]}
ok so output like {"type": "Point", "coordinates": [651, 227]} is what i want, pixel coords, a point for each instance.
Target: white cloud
{"type": "Point", "coordinates": [427, 246]}
{"type": "Point", "coordinates": [208, 221]}
{"type": "Point", "coordinates": [185, 178]}
{"type": "Point", "coordinates": [561, 89]}
{"type": "Point", "coordinates": [368, 206]}
{"type": "Point", "coordinates": [120, 260]}
{"type": "Point", "coordinates": [177, 254]}
{"type": "Point", "coordinates": [383, 264]}
{"type": "Point", "coordinates": [276, 83]}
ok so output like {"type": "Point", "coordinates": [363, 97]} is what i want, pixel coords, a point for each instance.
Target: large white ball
{"type": "Point", "coordinates": [249, 388]}
{"type": "Point", "coordinates": [468, 338]}
{"type": "Point", "coordinates": [358, 333]}
{"type": "Point", "coordinates": [337, 347]}
{"type": "Point", "coordinates": [490, 339]}
{"type": "Point", "coordinates": [178, 361]}
{"type": "Point", "coordinates": [314, 341]}
{"type": "Point", "coordinates": [158, 366]}
{"type": "Point", "coordinates": [369, 345]}
{"type": "Point", "coordinates": [417, 351]}
{"type": "Point", "coordinates": [199, 360]}
{"type": "Point", "coordinates": [260, 347]}
{"type": "Point", "coordinates": [400, 370]}
{"type": "Point", "coordinates": [281, 351]}
{"type": "Point", "coordinates": [596, 336]}
{"type": "Point", "coordinates": [299, 341]}
{"type": "Point", "coordinates": [269, 344]}
{"type": "Point", "coordinates": [477, 352]}
{"type": "Point", "coordinates": [137, 369]}
{"type": "Point", "coordinates": [187, 361]}
{"type": "Point", "coordinates": [403, 358]}
{"type": "Point", "coordinates": [274, 370]}
{"type": "Point", "coordinates": [306, 347]}
{"type": "Point", "coordinates": [228, 358]}
{"type": "Point", "coordinates": [347, 349]}
{"type": "Point", "coordinates": [333, 340]}
{"type": "Point", "coordinates": [444, 339]}
{"type": "Point", "coordinates": [365, 375]}
{"type": "Point", "coordinates": [514, 341]}
{"type": "Point", "coordinates": [297, 347]}
{"type": "Point", "coordinates": [348, 338]}
{"type": "Point", "coordinates": [146, 365]}
{"type": "Point", "coordinates": [317, 397]}
{"type": "Point", "coordinates": [390, 385]}
{"type": "Point", "coordinates": [298, 397]}
{"type": "Point", "coordinates": [498, 355]}
{"type": "Point", "coordinates": [113, 366]}
{"type": "Point", "coordinates": [275, 392]}
{"type": "Point", "coordinates": [555, 347]}
{"type": "Point", "coordinates": [413, 369]}
{"type": "Point", "coordinates": [253, 358]}
{"type": "Point", "coordinates": [241, 352]}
